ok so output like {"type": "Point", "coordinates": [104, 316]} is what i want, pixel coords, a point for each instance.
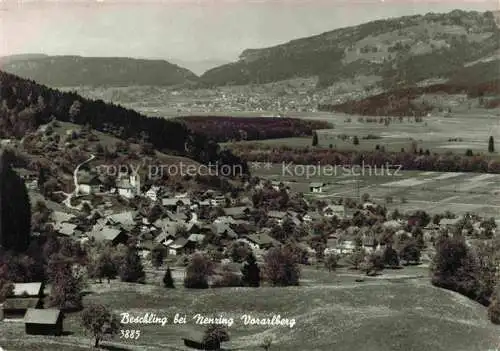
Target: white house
{"type": "Point", "coordinates": [316, 187]}
{"type": "Point", "coordinates": [218, 201]}
{"type": "Point", "coordinates": [129, 188]}
{"type": "Point", "coordinates": [276, 185]}
{"type": "Point", "coordinates": [152, 193]}
{"type": "Point", "coordinates": [89, 184]}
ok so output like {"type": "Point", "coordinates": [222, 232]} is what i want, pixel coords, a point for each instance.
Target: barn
{"type": "Point", "coordinates": [24, 296]}
{"type": "Point", "coordinates": [15, 308]}
{"type": "Point", "coordinates": [43, 321]}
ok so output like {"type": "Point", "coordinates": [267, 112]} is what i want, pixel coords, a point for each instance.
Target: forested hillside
{"type": "Point", "coordinates": [401, 51]}
{"type": "Point", "coordinates": [25, 105]}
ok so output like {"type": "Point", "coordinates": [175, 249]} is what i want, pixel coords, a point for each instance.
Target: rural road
{"type": "Point", "coordinates": [69, 197]}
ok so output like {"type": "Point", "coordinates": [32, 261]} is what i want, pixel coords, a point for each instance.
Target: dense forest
{"type": "Point", "coordinates": [223, 129]}
{"type": "Point", "coordinates": [25, 105]}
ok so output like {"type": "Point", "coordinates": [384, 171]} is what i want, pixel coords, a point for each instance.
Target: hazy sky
{"type": "Point", "coordinates": [185, 29]}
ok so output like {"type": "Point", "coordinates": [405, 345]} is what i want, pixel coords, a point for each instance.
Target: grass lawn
{"type": "Point", "coordinates": [332, 311]}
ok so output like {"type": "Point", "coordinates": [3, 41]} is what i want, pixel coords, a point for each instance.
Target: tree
{"type": "Point", "coordinates": [74, 111]}
{"type": "Point", "coordinates": [280, 267]}
{"type": "Point", "coordinates": [390, 257]}
{"type": "Point", "coordinates": [356, 258]}
{"type": "Point", "coordinates": [315, 139]}
{"type": "Point", "coordinates": [197, 272]}
{"type": "Point", "coordinates": [15, 208]}
{"type": "Point", "coordinates": [131, 269]}
{"type": "Point", "coordinates": [251, 271]}
{"type": "Point", "coordinates": [373, 264]}
{"type": "Point", "coordinates": [266, 343]}
{"type": "Point", "coordinates": [455, 267]}
{"type": "Point", "coordinates": [6, 286]}
{"type": "Point", "coordinates": [331, 262]}
{"type": "Point", "coordinates": [491, 144]}
{"type": "Point", "coordinates": [168, 281]}
{"type": "Point", "coordinates": [67, 283]}
{"type": "Point", "coordinates": [214, 335]}
{"type": "Point", "coordinates": [494, 308]}
{"type": "Point", "coordinates": [355, 140]}
{"type": "Point", "coordinates": [157, 256]}
{"type": "Point", "coordinates": [239, 251]}
{"type": "Point", "coordinates": [100, 322]}
{"type": "Point", "coordinates": [410, 251]}
{"type": "Point", "coordinates": [106, 266]}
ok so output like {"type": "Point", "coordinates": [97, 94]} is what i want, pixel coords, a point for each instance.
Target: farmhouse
{"type": "Point", "coordinates": [276, 185]}
{"type": "Point", "coordinates": [165, 239]}
{"type": "Point", "coordinates": [24, 296]}
{"type": "Point", "coordinates": [152, 193]}
{"type": "Point", "coordinates": [316, 187]}
{"type": "Point", "coordinates": [89, 184]}
{"type": "Point", "coordinates": [197, 238]}
{"type": "Point", "coordinates": [108, 234]}
{"type": "Point", "coordinates": [218, 200]}
{"type": "Point", "coordinates": [123, 220]}
{"type": "Point", "coordinates": [175, 204]}
{"type": "Point", "coordinates": [181, 246]}
{"type": "Point", "coordinates": [449, 222]}
{"type": "Point", "coordinates": [259, 241]}
{"type": "Point", "coordinates": [311, 216]}
{"type": "Point", "coordinates": [277, 216]}
{"type": "Point", "coordinates": [334, 211]}
{"type": "Point", "coordinates": [43, 321]}
{"type": "Point", "coordinates": [129, 187]}
{"type": "Point", "coordinates": [237, 212]}
{"type": "Point", "coordinates": [65, 229]}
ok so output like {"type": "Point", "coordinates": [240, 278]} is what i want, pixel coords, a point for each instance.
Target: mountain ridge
{"type": "Point", "coordinates": [397, 49]}
{"type": "Point", "coordinates": [74, 70]}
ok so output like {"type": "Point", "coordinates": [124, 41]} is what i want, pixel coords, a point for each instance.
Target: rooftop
{"type": "Point", "coordinates": [42, 316]}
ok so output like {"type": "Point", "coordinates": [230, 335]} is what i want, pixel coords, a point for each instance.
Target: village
{"type": "Point", "coordinates": [222, 226]}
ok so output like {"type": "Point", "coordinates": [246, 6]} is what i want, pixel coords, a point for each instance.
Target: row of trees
{"type": "Point", "coordinates": [407, 159]}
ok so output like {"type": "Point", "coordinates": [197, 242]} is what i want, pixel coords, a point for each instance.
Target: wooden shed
{"type": "Point", "coordinates": [195, 341]}
{"type": "Point", "coordinates": [44, 321]}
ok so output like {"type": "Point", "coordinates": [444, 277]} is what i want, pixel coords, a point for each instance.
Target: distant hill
{"type": "Point", "coordinates": [399, 51]}
{"type": "Point", "coordinates": [199, 67]}
{"type": "Point", "coordinates": [59, 71]}
{"type": "Point", "coordinates": [476, 81]}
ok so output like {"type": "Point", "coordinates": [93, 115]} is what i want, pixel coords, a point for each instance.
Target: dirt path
{"type": "Point", "coordinates": [70, 196]}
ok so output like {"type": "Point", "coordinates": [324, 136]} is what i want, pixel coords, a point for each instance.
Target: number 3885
{"type": "Point", "coordinates": [130, 334]}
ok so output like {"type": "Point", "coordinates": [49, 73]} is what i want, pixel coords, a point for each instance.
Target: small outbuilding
{"type": "Point", "coordinates": [44, 321]}
{"type": "Point", "coordinates": [195, 341]}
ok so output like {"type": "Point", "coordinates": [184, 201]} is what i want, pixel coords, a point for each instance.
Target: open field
{"type": "Point", "coordinates": [473, 128]}
{"type": "Point", "coordinates": [434, 192]}
{"type": "Point", "coordinates": [399, 311]}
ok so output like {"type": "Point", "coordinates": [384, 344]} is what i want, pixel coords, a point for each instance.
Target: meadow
{"type": "Point", "coordinates": [470, 130]}
{"type": "Point", "coordinates": [435, 192]}
{"type": "Point", "coordinates": [396, 311]}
